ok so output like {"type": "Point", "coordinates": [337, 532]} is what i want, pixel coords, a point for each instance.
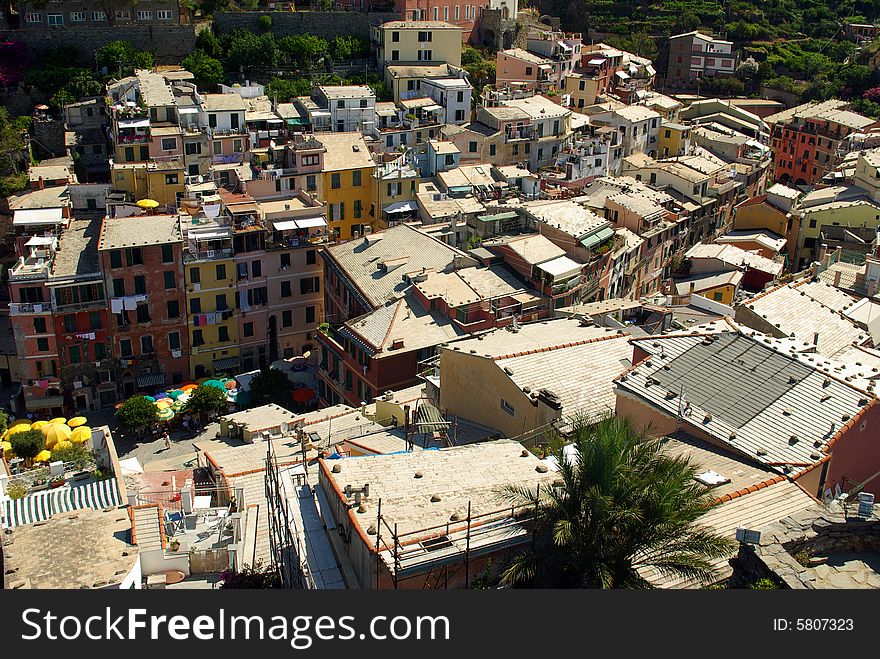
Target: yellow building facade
{"type": "Point", "coordinates": [349, 188]}
{"type": "Point", "coordinates": [673, 140]}
{"type": "Point", "coordinates": [162, 182]}
{"type": "Point", "coordinates": [212, 316]}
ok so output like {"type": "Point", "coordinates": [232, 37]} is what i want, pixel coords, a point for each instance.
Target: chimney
{"type": "Point", "coordinates": [837, 274]}
{"type": "Point", "coordinates": [815, 338]}
{"type": "Point", "coordinates": [823, 254]}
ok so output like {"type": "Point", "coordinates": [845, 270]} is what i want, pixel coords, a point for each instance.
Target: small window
{"type": "Point", "coordinates": [169, 279]}
{"type": "Point", "coordinates": [75, 355]}
{"type": "Point", "coordinates": [99, 16]}
{"type": "Point", "coordinates": [115, 259]}
{"type": "Point", "coordinates": [311, 257]}
{"type": "Point", "coordinates": [248, 329]}
{"type": "Point", "coordinates": [335, 181]}
{"type": "Point", "coordinates": [146, 345]}
{"type": "Point", "coordinates": [140, 284]}
{"type": "Point", "coordinates": [285, 289]}
{"type": "Point", "coordinates": [220, 271]}
{"type": "Point", "coordinates": [223, 334]}
{"type": "Point", "coordinates": [356, 178]}
{"type": "Point", "coordinates": [174, 340]}
{"type": "Point", "coordinates": [173, 308]}
{"type": "Point", "coordinates": [125, 347]}
{"type": "Point", "coordinates": [169, 143]}
{"type": "Point", "coordinates": [507, 407]}
{"type": "Point", "coordinates": [70, 323]}
{"type": "Point", "coordinates": [164, 14]}
{"type": "Point", "coordinates": [39, 325]}
{"type": "Point", "coordinates": [43, 344]}
{"type": "Point", "coordinates": [286, 318]}
{"type": "Point", "coordinates": [55, 19]}
{"type": "Point", "coordinates": [310, 315]}
{"type": "Point", "coordinates": [472, 147]}
{"type": "Point", "coordinates": [167, 254]}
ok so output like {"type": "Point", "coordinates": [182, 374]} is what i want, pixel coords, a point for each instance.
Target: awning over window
{"type": "Point", "coordinates": [561, 267]}
{"type": "Point", "coordinates": [297, 121]}
{"type": "Point", "coordinates": [151, 380]}
{"type": "Point", "coordinates": [596, 62]}
{"type": "Point", "coordinates": [545, 66]}
{"type": "Point", "coordinates": [36, 241]}
{"type": "Point", "coordinates": [284, 225]}
{"type": "Point", "coordinates": [597, 238]}
{"type": "Point", "coordinates": [134, 123]}
{"type": "Point", "coordinates": [311, 222]}
{"type": "Point", "coordinates": [401, 207]}
{"type": "Point", "coordinates": [623, 75]}
{"type": "Point", "coordinates": [35, 216]}
{"type": "Point", "coordinates": [188, 110]}
{"type": "Point", "coordinates": [501, 216]}
{"type": "Point", "coordinates": [433, 108]}
{"type": "Point", "coordinates": [226, 363]}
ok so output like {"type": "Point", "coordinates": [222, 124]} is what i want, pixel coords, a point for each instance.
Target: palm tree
{"type": "Point", "coordinates": [622, 506]}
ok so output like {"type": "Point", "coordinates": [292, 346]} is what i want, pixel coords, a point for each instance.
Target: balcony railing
{"type": "Point", "coordinates": [20, 308]}
{"type": "Point", "coordinates": [209, 254]}
{"type": "Point", "coordinates": [79, 306]}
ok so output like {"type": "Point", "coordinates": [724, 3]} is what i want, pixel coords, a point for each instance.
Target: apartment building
{"type": "Point", "coordinates": [638, 127]}
{"type": "Point", "coordinates": [809, 140]}
{"type": "Point", "coordinates": [352, 108]}
{"type": "Point", "coordinates": [210, 272]}
{"type": "Point", "coordinates": [422, 41]}
{"type": "Point", "coordinates": [526, 70]}
{"type": "Point", "coordinates": [694, 55]}
{"type": "Point", "coordinates": [348, 187]}
{"type": "Point", "coordinates": [464, 15]}
{"type": "Point", "coordinates": [142, 265]}
{"type": "Point", "coordinates": [562, 47]}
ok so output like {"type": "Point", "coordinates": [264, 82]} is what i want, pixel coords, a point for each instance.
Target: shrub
{"type": "Point", "coordinates": [250, 577]}
{"type": "Point", "coordinates": [16, 489]}
{"type": "Point", "coordinates": [265, 23]}
{"type": "Point", "coordinates": [27, 444]}
{"type": "Point", "coordinates": [77, 454]}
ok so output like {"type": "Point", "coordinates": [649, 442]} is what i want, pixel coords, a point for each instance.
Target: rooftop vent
{"type": "Point", "coordinates": [761, 451]}
{"type": "Point", "coordinates": [793, 439]}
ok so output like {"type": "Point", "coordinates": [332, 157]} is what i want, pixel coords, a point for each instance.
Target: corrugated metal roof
{"type": "Point", "coordinates": [753, 399]}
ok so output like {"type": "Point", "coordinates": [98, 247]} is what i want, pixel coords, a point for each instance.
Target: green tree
{"type": "Point", "coordinates": [207, 70]}
{"type": "Point", "coordinates": [303, 49]}
{"type": "Point", "coordinates": [265, 23]}
{"type": "Point", "coordinates": [249, 51]}
{"type": "Point", "coordinates": [623, 505]}
{"type": "Point", "coordinates": [284, 90]}
{"type": "Point", "coordinates": [271, 384]}
{"type": "Point", "coordinates": [137, 412]}
{"type": "Point", "coordinates": [4, 422]}
{"type": "Point", "coordinates": [208, 42]}
{"type": "Point", "coordinates": [27, 444]}
{"type": "Point", "coordinates": [121, 59]}
{"type": "Point", "coordinates": [11, 153]}
{"type": "Point", "coordinates": [348, 47]}
{"type": "Point", "coordinates": [206, 401]}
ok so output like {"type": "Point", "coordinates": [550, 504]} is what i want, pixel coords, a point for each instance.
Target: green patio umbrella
{"type": "Point", "coordinates": [166, 415]}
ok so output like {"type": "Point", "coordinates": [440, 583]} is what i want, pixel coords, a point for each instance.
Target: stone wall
{"type": "Point", "coordinates": [326, 24]}
{"type": "Point", "coordinates": [794, 552]}
{"type": "Point", "coordinates": [168, 43]}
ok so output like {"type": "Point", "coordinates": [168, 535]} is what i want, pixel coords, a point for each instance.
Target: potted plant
{"type": "Point", "coordinates": [57, 481]}
{"type": "Point", "coordinates": [174, 545]}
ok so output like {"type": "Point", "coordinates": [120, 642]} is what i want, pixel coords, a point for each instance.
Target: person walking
{"type": "Point", "coordinates": [167, 439]}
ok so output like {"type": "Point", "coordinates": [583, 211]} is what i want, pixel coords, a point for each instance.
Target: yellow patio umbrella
{"type": "Point", "coordinates": [20, 422]}
{"type": "Point", "coordinates": [56, 432]}
{"type": "Point", "coordinates": [77, 421]}
{"type": "Point", "coordinates": [81, 435]}
{"type": "Point", "coordinates": [64, 444]}
{"type": "Point", "coordinates": [21, 427]}
{"type": "Point", "coordinates": [163, 404]}
{"type": "Point", "coordinates": [43, 456]}
{"type": "Point", "coordinates": [58, 419]}
{"type": "Point", "coordinates": [39, 424]}
{"type": "Point", "coordinates": [148, 203]}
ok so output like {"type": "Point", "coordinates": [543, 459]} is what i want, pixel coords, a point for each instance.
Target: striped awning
{"type": "Point", "coordinates": [40, 506]}
{"type": "Point", "coordinates": [226, 363]}
{"type": "Point", "coordinates": [151, 380]}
